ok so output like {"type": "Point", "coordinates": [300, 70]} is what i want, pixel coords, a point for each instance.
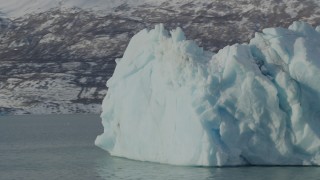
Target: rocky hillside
{"type": "Point", "coordinates": [58, 60]}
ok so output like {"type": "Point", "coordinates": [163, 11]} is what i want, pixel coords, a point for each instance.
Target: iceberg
{"type": "Point", "coordinates": [170, 101]}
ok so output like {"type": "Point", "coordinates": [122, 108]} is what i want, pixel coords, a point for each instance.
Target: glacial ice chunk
{"type": "Point", "coordinates": [169, 101]}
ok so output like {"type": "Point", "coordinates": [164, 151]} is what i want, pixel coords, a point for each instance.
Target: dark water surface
{"type": "Point", "coordinates": [62, 147]}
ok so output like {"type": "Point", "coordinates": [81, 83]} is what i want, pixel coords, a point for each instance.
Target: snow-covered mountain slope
{"type": "Point", "coordinates": [16, 8]}
{"type": "Point", "coordinates": [75, 42]}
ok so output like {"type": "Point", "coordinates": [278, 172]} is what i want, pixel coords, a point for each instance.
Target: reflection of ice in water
{"type": "Point", "coordinates": [110, 167]}
{"type": "Point", "coordinates": [119, 168]}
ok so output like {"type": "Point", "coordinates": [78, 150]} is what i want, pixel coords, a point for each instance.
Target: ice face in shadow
{"type": "Point", "coordinates": [169, 101]}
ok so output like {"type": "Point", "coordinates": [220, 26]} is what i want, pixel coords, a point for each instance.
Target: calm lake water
{"type": "Point", "coordinates": [62, 147]}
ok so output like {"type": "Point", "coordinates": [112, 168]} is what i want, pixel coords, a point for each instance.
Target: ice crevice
{"type": "Point", "coordinates": [249, 104]}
